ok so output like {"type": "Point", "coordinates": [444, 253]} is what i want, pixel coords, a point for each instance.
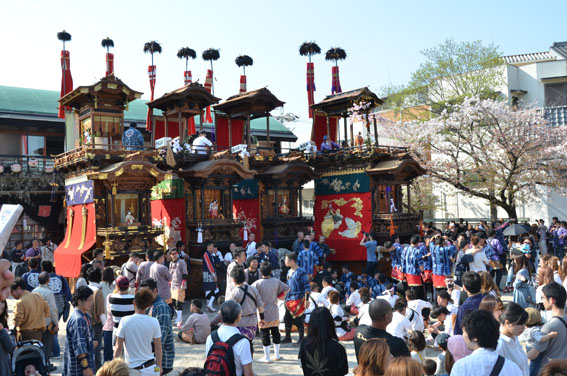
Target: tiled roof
{"type": "Point", "coordinates": [560, 48]}
{"type": "Point", "coordinates": [529, 58]}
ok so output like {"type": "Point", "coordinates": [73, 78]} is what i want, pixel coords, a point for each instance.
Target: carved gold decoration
{"type": "Point", "coordinates": [136, 167]}
{"type": "Point", "coordinates": [343, 172]}
{"type": "Point", "coordinates": [103, 176]}
{"type": "Point", "coordinates": [357, 204]}
{"type": "Point", "coordinates": [119, 172]}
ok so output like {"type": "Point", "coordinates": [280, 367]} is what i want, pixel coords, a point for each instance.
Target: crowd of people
{"type": "Point", "coordinates": [443, 291]}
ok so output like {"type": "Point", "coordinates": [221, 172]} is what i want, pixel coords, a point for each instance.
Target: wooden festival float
{"type": "Point", "coordinates": [107, 185]}
{"type": "Point", "coordinates": [270, 204]}
{"type": "Point", "coordinates": [361, 188]}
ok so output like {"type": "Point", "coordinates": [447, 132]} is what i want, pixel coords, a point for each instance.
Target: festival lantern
{"type": "Point", "coordinates": [151, 47]}
{"type": "Point", "coordinates": [212, 54]}
{"type": "Point", "coordinates": [335, 54]}
{"type": "Point", "coordinates": [243, 61]}
{"type": "Point", "coordinates": [186, 53]}
{"type": "Point", "coordinates": [66, 78]}
{"type": "Point", "coordinates": [309, 49]}
{"type": "Point", "coordinates": [107, 43]}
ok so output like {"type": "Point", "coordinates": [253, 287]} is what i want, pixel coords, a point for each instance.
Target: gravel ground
{"type": "Point", "coordinates": [194, 355]}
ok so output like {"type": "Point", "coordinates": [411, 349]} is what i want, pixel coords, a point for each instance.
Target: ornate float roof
{"type": "Point", "coordinates": [339, 104]}
{"type": "Point", "coordinates": [118, 169]}
{"type": "Point", "coordinates": [406, 166]}
{"type": "Point", "coordinates": [110, 86]}
{"type": "Point", "coordinates": [193, 97]}
{"type": "Point", "coordinates": [296, 171]}
{"type": "Point", "coordinates": [222, 166]}
{"type": "Point", "coordinates": [255, 103]}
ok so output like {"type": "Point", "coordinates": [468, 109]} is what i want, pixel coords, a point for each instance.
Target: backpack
{"type": "Point", "coordinates": [220, 358]}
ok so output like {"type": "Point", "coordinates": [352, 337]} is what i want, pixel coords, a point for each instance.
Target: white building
{"type": "Point", "coordinates": [534, 79]}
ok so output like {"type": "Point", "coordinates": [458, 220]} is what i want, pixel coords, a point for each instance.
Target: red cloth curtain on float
{"type": "Point", "coordinates": [248, 212]}
{"type": "Point", "coordinates": [237, 126]}
{"type": "Point", "coordinates": [152, 76]}
{"type": "Point", "coordinates": [170, 213]}
{"type": "Point", "coordinates": [80, 236]}
{"type": "Point", "coordinates": [109, 64]}
{"type": "Point", "coordinates": [320, 129]}
{"type": "Point", "coordinates": [209, 85]}
{"type": "Point", "coordinates": [341, 218]}
{"type": "Point", "coordinates": [335, 82]}
{"type": "Point", "coordinates": [310, 86]}
{"type": "Point", "coordinates": [172, 129]}
{"type": "Point", "coordinates": [66, 80]}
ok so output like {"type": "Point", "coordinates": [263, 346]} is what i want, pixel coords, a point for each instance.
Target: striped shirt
{"type": "Point", "coordinates": [412, 260]}
{"type": "Point", "coordinates": [120, 306]}
{"type": "Point", "coordinates": [298, 283]}
{"type": "Point", "coordinates": [79, 340]}
{"type": "Point", "coordinates": [160, 311]}
{"type": "Point", "coordinates": [396, 256]}
{"type": "Point", "coordinates": [307, 260]}
{"type": "Point", "coordinates": [441, 258]}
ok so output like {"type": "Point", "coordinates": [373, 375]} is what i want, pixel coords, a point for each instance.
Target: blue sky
{"type": "Point", "coordinates": [383, 39]}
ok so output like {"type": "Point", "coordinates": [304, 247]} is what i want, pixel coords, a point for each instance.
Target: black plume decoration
{"type": "Point", "coordinates": [211, 54]}
{"type": "Point", "coordinates": [152, 47]}
{"type": "Point", "coordinates": [107, 42]}
{"type": "Point", "coordinates": [335, 54]}
{"type": "Point", "coordinates": [244, 61]}
{"type": "Point", "coordinates": [186, 53]}
{"type": "Point", "coordinates": [309, 49]}
{"type": "Point", "coordinates": [64, 36]}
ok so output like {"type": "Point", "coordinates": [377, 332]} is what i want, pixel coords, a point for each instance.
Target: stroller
{"type": "Point", "coordinates": [29, 352]}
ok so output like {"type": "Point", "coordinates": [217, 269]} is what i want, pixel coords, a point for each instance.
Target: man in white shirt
{"type": "Point", "coordinates": [201, 144]}
{"type": "Point", "coordinates": [48, 249]}
{"type": "Point", "coordinates": [315, 300]}
{"type": "Point", "coordinates": [251, 246]}
{"type": "Point", "coordinates": [481, 332]}
{"type": "Point", "coordinates": [135, 336]}
{"type": "Point", "coordinates": [400, 326]}
{"type": "Point", "coordinates": [327, 287]}
{"type": "Point", "coordinates": [231, 313]}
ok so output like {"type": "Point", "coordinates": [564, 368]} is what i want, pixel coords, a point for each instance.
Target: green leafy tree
{"type": "Point", "coordinates": [451, 72]}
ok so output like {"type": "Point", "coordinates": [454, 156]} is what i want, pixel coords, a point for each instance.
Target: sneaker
{"type": "Point", "coordinates": [298, 343]}
{"type": "Point", "coordinates": [286, 340]}
{"type": "Point", "coordinates": [264, 360]}
{"type": "Point", "coordinates": [51, 368]}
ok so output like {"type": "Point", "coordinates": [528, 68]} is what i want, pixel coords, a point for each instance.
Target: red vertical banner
{"type": "Point", "coordinates": [209, 85]}
{"type": "Point", "coordinates": [335, 83]}
{"type": "Point", "coordinates": [109, 64]}
{"type": "Point", "coordinates": [66, 80]}
{"type": "Point", "coordinates": [152, 77]}
{"type": "Point", "coordinates": [248, 213]}
{"type": "Point", "coordinates": [170, 214]}
{"type": "Point", "coordinates": [187, 79]}
{"type": "Point", "coordinates": [242, 84]}
{"type": "Point", "coordinates": [310, 86]}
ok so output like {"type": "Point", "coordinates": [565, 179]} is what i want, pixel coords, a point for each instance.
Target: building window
{"type": "Point", "coordinates": [556, 94]}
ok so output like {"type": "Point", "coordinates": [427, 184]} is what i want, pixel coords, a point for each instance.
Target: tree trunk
{"type": "Point", "coordinates": [511, 210]}
{"type": "Point", "coordinates": [493, 212]}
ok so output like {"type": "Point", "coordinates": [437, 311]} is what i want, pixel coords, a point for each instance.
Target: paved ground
{"type": "Point", "coordinates": [194, 355]}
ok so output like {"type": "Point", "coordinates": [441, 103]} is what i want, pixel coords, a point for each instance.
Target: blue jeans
{"type": "Point", "coordinates": [108, 351]}
{"type": "Point", "coordinates": [535, 365]}
{"type": "Point", "coordinates": [55, 350]}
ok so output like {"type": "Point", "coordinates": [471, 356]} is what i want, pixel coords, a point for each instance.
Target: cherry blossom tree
{"type": "Point", "coordinates": [488, 149]}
